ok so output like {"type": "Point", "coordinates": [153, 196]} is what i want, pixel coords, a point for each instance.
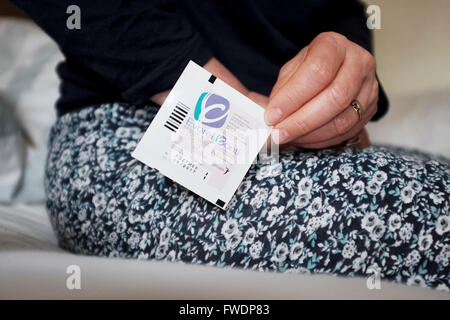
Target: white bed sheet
{"type": "Point", "coordinates": [25, 227]}
{"type": "Point", "coordinates": [33, 267]}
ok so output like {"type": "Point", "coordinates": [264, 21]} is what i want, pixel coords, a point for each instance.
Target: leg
{"type": "Point", "coordinates": [344, 212]}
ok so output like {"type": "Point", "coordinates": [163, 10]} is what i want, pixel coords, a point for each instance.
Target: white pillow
{"type": "Point", "coordinates": [416, 121]}
{"type": "Point", "coordinates": [11, 153]}
{"type": "Point", "coordinates": [29, 83]}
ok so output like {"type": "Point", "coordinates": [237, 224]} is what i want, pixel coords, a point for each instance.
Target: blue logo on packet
{"type": "Point", "coordinates": [212, 110]}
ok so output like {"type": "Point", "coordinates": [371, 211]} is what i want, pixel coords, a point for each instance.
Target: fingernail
{"type": "Point", "coordinates": [280, 136]}
{"type": "Point", "coordinates": [273, 116]}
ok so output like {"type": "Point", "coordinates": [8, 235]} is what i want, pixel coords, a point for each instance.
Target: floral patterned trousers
{"type": "Point", "coordinates": [347, 212]}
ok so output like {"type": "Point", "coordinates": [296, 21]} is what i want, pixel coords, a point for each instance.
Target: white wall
{"type": "Point", "coordinates": [412, 50]}
{"type": "Point", "coordinates": [413, 47]}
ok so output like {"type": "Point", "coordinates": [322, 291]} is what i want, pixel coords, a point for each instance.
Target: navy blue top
{"type": "Point", "coordinates": [130, 50]}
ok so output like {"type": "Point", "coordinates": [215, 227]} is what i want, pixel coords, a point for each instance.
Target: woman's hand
{"type": "Point", "coordinates": [310, 102]}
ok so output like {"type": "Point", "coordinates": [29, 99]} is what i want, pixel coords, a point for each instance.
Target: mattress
{"type": "Point", "coordinates": [33, 267]}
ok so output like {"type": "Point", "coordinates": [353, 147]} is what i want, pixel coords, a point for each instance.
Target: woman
{"type": "Point", "coordinates": [333, 205]}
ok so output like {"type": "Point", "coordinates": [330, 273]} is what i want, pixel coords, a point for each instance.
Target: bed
{"type": "Point", "coordinates": [33, 267]}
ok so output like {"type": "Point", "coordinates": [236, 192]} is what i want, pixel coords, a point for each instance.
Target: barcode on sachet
{"type": "Point", "coordinates": [177, 116]}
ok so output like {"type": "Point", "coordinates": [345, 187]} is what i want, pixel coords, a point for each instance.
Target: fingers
{"type": "Point", "coordinates": [288, 70]}
{"type": "Point", "coordinates": [337, 127]}
{"type": "Point", "coordinates": [327, 104]}
{"type": "Point", "coordinates": [346, 120]}
{"type": "Point", "coordinates": [364, 140]}
{"type": "Point", "coordinates": [300, 82]}
{"type": "Point", "coordinates": [339, 139]}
